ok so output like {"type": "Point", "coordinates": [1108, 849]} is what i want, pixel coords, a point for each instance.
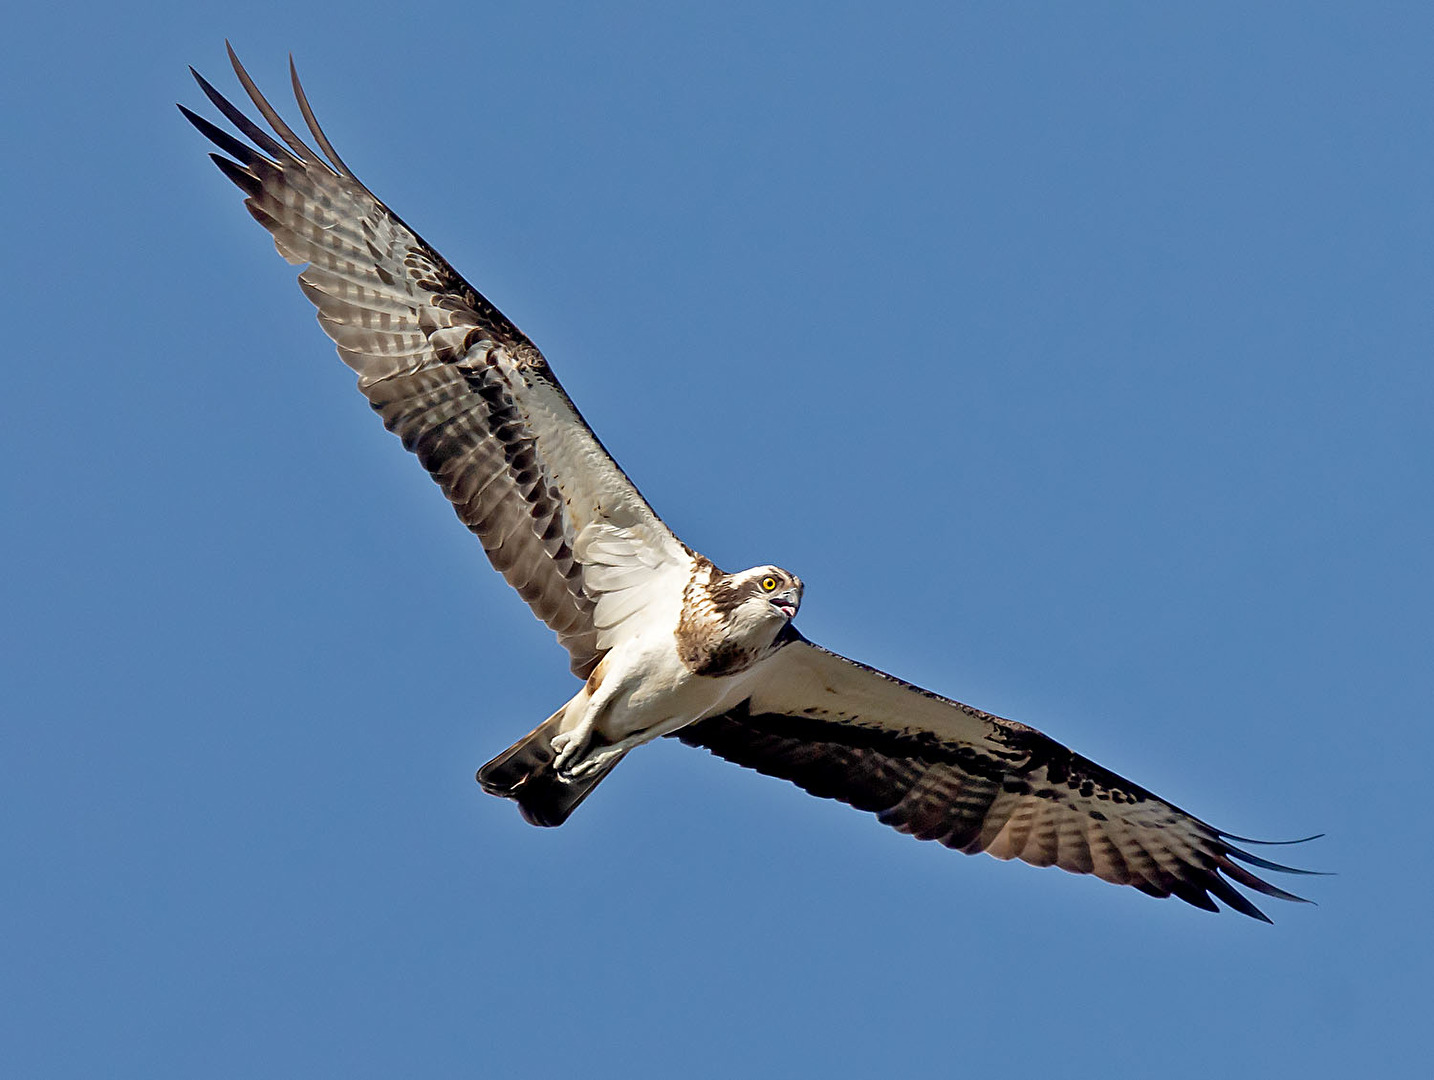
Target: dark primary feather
{"type": "Point", "coordinates": [943, 771]}
{"type": "Point", "coordinates": [464, 389]}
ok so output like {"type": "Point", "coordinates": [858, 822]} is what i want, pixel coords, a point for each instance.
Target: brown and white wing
{"type": "Point", "coordinates": [463, 388]}
{"type": "Point", "coordinates": [940, 770]}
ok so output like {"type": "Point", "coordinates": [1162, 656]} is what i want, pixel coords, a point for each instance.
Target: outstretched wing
{"type": "Point", "coordinates": [940, 770]}
{"type": "Point", "coordinates": [460, 385]}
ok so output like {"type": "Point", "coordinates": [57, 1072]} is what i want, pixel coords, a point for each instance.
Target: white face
{"type": "Point", "coordinates": [772, 592]}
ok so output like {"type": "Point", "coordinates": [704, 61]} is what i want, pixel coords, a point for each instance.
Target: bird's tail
{"type": "Point", "coordinates": [524, 773]}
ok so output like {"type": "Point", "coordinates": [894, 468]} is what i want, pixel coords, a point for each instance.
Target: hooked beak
{"type": "Point", "coordinates": [786, 602]}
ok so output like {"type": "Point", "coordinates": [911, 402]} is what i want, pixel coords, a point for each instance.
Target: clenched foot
{"type": "Point", "coordinates": [595, 763]}
{"type": "Point", "coordinates": [569, 745]}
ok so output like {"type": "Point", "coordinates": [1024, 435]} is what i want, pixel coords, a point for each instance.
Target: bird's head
{"type": "Point", "coordinates": [731, 621]}
{"type": "Point", "coordinates": [765, 596]}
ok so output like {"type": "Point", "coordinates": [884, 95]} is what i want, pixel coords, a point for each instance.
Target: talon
{"type": "Point", "coordinates": [583, 768]}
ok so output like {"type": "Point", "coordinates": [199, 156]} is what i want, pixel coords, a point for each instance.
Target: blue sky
{"type": "Point", "coordinates": [1076, 356]}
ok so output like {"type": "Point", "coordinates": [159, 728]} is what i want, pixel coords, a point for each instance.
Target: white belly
{"type": "Point", "coordinates": [647, 689]}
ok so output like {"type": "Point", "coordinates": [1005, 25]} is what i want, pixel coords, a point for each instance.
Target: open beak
{"type": "Point", "coordinates": [786, 602]}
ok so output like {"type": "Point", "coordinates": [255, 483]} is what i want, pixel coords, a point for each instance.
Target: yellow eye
{"type": "Point", "coordinates": [769, 583]}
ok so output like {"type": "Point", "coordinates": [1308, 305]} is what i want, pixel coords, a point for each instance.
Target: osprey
{"type": "Point", "coordinates": [665, 643]}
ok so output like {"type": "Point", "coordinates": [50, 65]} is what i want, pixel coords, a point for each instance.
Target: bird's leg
{"type": "Point", "coordinates": [571, 744]}
{"type": "Point", "coordinates": [604, 756]}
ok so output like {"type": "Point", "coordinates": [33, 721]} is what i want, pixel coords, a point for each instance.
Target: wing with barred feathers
{"type": "Point", "coordinates": [944, 771]}
{"type": "Point", "coordinates": [463, 388]}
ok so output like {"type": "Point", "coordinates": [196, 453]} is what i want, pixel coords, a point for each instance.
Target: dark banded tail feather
{"type": "Point", "coordinates": [524, 773]}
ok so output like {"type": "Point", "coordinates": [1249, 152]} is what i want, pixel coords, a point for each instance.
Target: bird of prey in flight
{"type": "Point", "coordinates": [663, 641]}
